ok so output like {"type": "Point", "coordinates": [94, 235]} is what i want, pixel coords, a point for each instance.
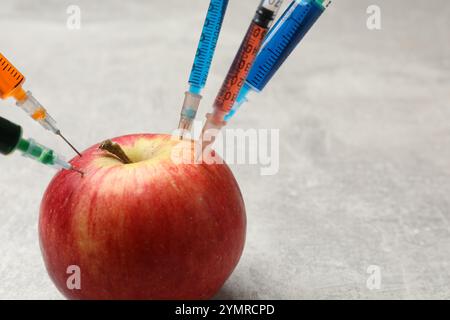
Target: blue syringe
{"type": "Point", "coordinates": [202, 63]}
{"type": "Point", "coordinates": [282, 39]}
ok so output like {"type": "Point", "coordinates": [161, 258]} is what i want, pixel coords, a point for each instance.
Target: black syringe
{"type": "Point", "coordinates": [11, 140]}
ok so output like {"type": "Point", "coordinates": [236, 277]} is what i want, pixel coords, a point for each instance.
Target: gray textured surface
{"type": "Point", "coordinates": [364, 118]}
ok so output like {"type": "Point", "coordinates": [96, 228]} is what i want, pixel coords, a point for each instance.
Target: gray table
{"type": "Point", "coordinates": [364, 124]}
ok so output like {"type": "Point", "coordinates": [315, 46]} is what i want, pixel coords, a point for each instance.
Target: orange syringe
{"type": "Point", "coordinates": [240, 68]}
{"type": "Point", "coordinates": [11, 81]}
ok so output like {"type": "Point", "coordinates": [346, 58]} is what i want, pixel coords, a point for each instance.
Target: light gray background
{"type": "Point", "coordinates": [365, 137]}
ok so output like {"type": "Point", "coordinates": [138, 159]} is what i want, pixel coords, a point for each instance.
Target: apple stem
{"type": "Point", "coordinates": [115, 149]}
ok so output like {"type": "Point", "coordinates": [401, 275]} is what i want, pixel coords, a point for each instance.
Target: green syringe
{"type": "Point", "coordinates": [11, 140]}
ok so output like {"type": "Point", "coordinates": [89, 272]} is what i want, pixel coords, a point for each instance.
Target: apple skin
{"type": "Point", "coordinates": [152, 229]}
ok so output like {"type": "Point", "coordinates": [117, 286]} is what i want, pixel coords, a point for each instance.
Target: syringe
{"type": "Point", "coordinates": [240, 68]}
{"type": "Point", "coordinates": [11, 81]}
{"type": "Point", "coordinates": [282, 39]}
{"type": "Point", "coordinates": [202, 63]}
{"type": "Point", "coordinates": [11, 140]}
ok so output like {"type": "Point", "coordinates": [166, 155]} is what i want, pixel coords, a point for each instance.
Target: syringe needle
{"type": "Point", "coordinates": [77, 170]}
{"type": "Point", "coordinates": [67, 141]}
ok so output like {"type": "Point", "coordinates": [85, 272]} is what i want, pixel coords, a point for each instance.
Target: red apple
{"type": "Point", "coordinates": [152, 229]}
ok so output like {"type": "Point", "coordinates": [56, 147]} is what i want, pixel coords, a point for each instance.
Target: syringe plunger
{"type": "Point", "coordinates": [32, 149]}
